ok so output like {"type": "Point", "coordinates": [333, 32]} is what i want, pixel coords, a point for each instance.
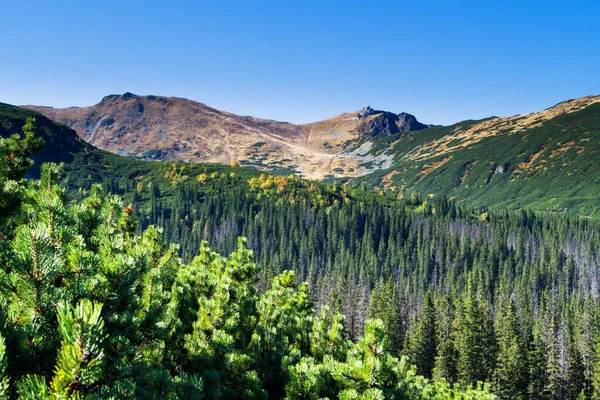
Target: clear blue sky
{"type": "Point", "coordinates": [301, 61]}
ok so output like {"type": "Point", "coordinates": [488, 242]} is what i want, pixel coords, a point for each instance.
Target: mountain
{"type": "Point", "coordinates": [176, 129]}
{"type": "Point", "coordinates": [412, 265]}
{"type": "Point", "coordinates": [83, 247]}
{"type": "Point", "coordinates": [544, 161]}
{"type": "Point", "coordinates": [547, 161]}
{"type": "Point", "coordinates": [61, 142]}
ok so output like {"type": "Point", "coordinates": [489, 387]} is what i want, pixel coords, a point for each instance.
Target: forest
{"type": "Point", "coordinates": [467, 295]}
{"type": "Point", "coordinates": [337, 292]}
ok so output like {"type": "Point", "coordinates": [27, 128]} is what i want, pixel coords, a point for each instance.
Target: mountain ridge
{"type": "Point", "coordinates": [546, 160]}
{"type": "Point", "coordinates": [178, 129]}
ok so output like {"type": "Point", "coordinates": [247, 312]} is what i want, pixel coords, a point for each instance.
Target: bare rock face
{"type": "Point", "coordinates": [379, 124]}
{"type": "Point", "coordinates": [408, 122]}
{"type": "Point", "coordinates": [384, 123]}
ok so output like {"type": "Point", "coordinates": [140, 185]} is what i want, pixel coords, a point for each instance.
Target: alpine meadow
{"type": "Point", "coordinates": [156, 247]}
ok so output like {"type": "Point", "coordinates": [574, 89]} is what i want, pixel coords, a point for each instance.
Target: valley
{"type": "Point", "coordinates": [436, 277]}
{"type": "Point", "coordinates": [176, 129]}
{"type": "Point", "coordinates": [301, 200]}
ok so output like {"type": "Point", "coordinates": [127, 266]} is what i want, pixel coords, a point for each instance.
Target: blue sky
{"type": "Point", "coordinates": [302, 61]}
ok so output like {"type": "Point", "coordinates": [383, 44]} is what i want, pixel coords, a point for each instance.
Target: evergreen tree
{"type": "Point", "coordinates": [511, 374]}
{"type": "Point", "coordinates": [473, 338]}
{"type": "Point", "coordinates": [15, 160]}
{"type": "Point", "coordinates": [421, 347]}
{"type": "Point", "coordinates": [447, 357]}
{"type": "Point", "coordinates": [4, 380]}
{"type": "Point", "coordinates": [385, 305]}
{"type": "Point", "coordinates": [537, 367]}
{"type": "Point", "coordinates": [596, 375]}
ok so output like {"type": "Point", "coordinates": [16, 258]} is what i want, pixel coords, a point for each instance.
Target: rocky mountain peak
{"type": "Point", "coordinates": [119, 97]}
{"type": "Point", "coordinates": [408, 122]}
{"type": "Point", "coordinates": [379, 123]}
{"type": "Point", "coordinates": [172, 128]}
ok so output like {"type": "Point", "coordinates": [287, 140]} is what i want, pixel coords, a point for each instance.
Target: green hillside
{"type": "Point", "coordinates": [61, 142]}
{"type": "Point", "coordinates": [91, 310]}
{"type": "Point", "coordinates": [544, 165]}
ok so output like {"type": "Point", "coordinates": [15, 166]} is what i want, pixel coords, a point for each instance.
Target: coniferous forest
{"type": "Point", "coordinates": [336, 292]}
{"type": "Point", "coordinates": [296, 200]}
{"type": "Point", "coordinates": [467, 295]}
{"type": "Point", "coordinates": [93, 309]}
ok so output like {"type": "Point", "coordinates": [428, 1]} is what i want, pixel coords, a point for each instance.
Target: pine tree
{"type": "Point", "coordinates": [369, 369]}
{"type": "Point", "coordinates": [385, 305]}
{"type": "Point", "coordinates": [328, 336]}
{"type": "Point", "coordinates": [537, 366]}
{"type": "Point", "coordinates": [286, 321]}
{"type": "Point", "coordinates": [15, 160]}
{"type": "Point", "coordinates": [447, 357]}
{"type": "Point", "coordinates": [225, 322]}
{"type": "Point", "coordinates": [81, 354]}
{"type": "Point", "coordinates": [4, 380]}
{"type": "Point", "coordinates": [79, 366]}
{"type": "Point", "coordinates": [308, 380]}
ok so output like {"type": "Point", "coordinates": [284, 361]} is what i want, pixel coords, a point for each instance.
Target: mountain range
{"type": "Point", "coordinates": [545, 161]}
{"type": "Point", "coordinates": [176, 129]}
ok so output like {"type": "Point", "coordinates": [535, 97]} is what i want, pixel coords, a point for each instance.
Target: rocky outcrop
{"type": "Point", "coordinates": [380, 124]}
{"type": "Point", "coordinates": [408, 122]}
{"type": "Point", "coordinates": [384, 123]}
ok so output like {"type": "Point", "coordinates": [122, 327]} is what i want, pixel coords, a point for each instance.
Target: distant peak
{"type": "Point", "coordinates": [405, 115]}
{"type": "Point", "coordinates": [124, 96]}
{"type": "Point", "coordinates": [593, 98]}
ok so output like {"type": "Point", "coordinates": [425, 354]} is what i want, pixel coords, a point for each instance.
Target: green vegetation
{"type": "Point", "coordinates": [548, 167]}
{"type": "Point", "coordinates": [61, 143]}
{"type": "Point", "coordinates": [466, 295]}
{"type": "Point", "coordinates": [90, 309]}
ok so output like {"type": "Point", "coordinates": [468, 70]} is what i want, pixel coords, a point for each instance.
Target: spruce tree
{"type": "Point", "coordinates": [511, 374]}
{"type": "Point", "coordinates": [421, 347]}
{"type": "Point", "coordinates": [473, 338]}
{"type": "Point", "coordinates": [446, 359]}
{"type": "Point", "coordinates": [385, 305]}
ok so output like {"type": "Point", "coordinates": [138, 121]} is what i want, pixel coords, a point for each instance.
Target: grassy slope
{"type": "Point", "coordinates": [554, 167]}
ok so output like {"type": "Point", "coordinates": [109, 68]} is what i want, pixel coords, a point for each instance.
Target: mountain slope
{"type": "Point", "coordinates": [365, 254]}
{"type": "Point", "coordinates": [549, 160]}
{"type": "Point", "coordinates": [545, 161]}
{"type": "Point", "coordinates": [61, 142]}
{"type": "Point", "coordinates": [170, 128]}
